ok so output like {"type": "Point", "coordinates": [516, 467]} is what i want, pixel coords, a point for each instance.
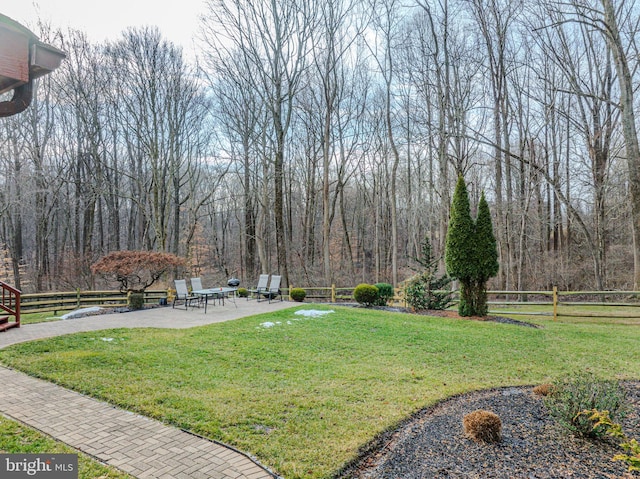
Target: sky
{"type": "Point", "coordinates": [106, 19]}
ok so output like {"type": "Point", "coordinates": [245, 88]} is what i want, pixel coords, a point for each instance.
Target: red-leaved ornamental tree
{"type": "Point", "coordinates": [135, 270]}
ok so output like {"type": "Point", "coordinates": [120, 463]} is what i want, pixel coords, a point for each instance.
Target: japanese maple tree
{"type": "Point", "coordinates": [135, 270]}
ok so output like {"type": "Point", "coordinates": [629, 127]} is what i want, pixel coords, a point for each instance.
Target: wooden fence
{"type": "Point", "coordinates": [550, 303]}
{"type": "Point", "coordinates": [543, 303]}
{"type": "Point", "coordinates": [70, 300]}
{"type": "Point", "coordinates": [557, 303]}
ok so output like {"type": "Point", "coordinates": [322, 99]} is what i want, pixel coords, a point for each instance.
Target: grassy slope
{"type": "Point", "coordinates": [305, 394]}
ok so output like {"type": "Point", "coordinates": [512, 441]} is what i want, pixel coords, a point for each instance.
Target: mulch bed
{"type": "Point", "coordinates": [432, 443]}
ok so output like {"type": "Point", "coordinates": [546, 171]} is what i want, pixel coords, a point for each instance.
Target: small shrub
{"type": "Point", "coordinates": [483, 426]}
{"type": "Point", "coordinates": [385, 293]}
{"type": "Point", "coordinates": [136, 301]}
{"type": "Point", "coordinates": [421, 293]}
{"type": "Point", "coordinates": [614, 430]}
{"type": "Point", "coordinates": [366, 294]}
{"type": "Point", "coordinates": [543, 389]}
{"type": "Point", "coordinates": [428, 289]}
{"type": "Point", "coordinates": [243, 292]}
{"type": "Point", "coordinates": [298, 294]}
{"type": "Point", "coordinates": [571, 396]}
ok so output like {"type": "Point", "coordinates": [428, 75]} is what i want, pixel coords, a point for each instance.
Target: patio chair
{"type": "Point", "coordinates": [274, 288]}
{"type": "Point", "coordinates": [196, 285]}
{"type": "Point", "coordinates": [263, 281]}
{"type": "Point", "coordinates": [182, 294]}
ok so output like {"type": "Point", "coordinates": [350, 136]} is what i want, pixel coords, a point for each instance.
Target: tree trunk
{"type": "Point", "coordinates": [628, 129]}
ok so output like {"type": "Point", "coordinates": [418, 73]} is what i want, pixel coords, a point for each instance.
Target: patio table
{"type": "Point", "coordinates": [216, 293]}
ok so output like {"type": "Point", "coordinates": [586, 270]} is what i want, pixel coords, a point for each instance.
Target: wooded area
{"type": "Point", "coordinates": [322, 141]}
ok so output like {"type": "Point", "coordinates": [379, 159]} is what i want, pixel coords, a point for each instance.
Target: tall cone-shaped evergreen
{"type": "Point", "coordinates": [486, 256]}
{"type": "Point", "coordinates": [471, 254]}
{"type": "Point", "coordinates": [460, 251]}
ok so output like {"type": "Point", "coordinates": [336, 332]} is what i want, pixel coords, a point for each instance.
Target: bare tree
{"type": "Point", "coordinates": [273, 38]}
{"type": "Point", "coordinates": [496, 19]}
{"type": "Point", "coordinates": [162, 111]}
{"type": "Point", "coordinates": [340, 27]}
{"type": "Point", "coordinates": [387, 29]}
{"type": "Point", "coordinates": [588, 73]}
{"type": "Point", "coordinates": [586, 65]}
{"type": "Point", "coordinates": [238, 111]}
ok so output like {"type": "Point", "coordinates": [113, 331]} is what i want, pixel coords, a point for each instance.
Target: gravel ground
{"type": "Point", "coordinates": [433, 445]}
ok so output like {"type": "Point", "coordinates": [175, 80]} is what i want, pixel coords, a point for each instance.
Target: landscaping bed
{"type": "Point", "coordinates": [432, 443]}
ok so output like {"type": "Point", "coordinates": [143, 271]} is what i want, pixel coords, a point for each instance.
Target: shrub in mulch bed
{"type": "Point", "coordinates": [483, 426]}
{"type": "Point", "coordinates": [543, 389]}
{"type": "Point", "coordinates": [584, 392]}
{"type": "Point", "coordinates": [431, 444]}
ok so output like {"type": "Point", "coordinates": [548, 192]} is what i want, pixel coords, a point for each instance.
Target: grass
{"type": "Point", "coordinates": [305, 395]}
{"type": "Point", "coordinates": [594, 314]}
{"type": "Point", "coordinates": [31, 318]}
{"type": "Point", "coordinates": [18, 438]}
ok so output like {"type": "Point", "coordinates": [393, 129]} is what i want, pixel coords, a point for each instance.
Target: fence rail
{"type": "Point", "coordinates": [552, 300]}
{"type": "Point", "coordinates": [70, 300]}
{"type": "Point", "coordinates": [556, 300]}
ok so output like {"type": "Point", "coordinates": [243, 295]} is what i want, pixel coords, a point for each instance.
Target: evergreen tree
{"type": "Point", "coordinates": [460, 247]}
{"type": "Point", "coordinates": [428, 290]}
{"type": "Point", "coordinates": [471, 254]}
{"type": "Point", "coordinates": [486, 255]}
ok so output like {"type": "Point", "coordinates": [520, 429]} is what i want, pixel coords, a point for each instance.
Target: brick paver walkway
{"type": "Point", "coordinates": [140, 446]}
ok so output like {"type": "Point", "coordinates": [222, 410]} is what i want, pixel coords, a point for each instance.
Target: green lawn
{"type": "Point", "coordinates": [577, 313]}
{"type": "Point", "coordinates": [31, 318]}
{"type": "Point", "coordinates": [18, 438]}
{"type": "Point", "coordinates": [305, 394]}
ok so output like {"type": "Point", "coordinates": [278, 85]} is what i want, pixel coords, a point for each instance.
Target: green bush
{"type": "Point", "coordinates": [421, 292]}
{"type": "Point", "coordinates": [243, 292]}
{"type": "Point", "coordinates": [428, 289]}
{"type": "Point", "coordinates": [385, 293]}
{"type": "Point", "coordinates": [366, 294]}
{"type": "Point", "coordinates": [136, 301]}
{"type": "Point", "coordinates": [298, 294]}
{"type": "Point", "coordinates": [573, 395]}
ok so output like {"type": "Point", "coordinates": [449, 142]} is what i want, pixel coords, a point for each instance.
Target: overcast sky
{"type": "Point", "coordinates": [106, 19]}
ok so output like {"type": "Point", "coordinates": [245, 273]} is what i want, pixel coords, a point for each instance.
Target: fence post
{"type": "Point", "coordinates": [77, 298]}
{"type": "Point", "coordinates": [333, 293]}
{"type": "Point", "coordinates": [555, 303]}
{"type": "Point", "coordinates": [290, 288]}
{"type": "Point", "coordinates": [170, 295]}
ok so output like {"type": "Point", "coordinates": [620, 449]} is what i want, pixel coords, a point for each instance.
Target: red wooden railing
{"type": "Point", "coordinates": [11, 305]}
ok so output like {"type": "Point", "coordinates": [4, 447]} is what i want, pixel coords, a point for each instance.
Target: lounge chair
{"type": "Point", "coordinates": [274, 288]}
{"type": "Point", "coordinates": [263, 281]}
{"type": "Point", "coordinates": [182, 294]}
{"type": "Point", "coordinates": [196, 285]}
